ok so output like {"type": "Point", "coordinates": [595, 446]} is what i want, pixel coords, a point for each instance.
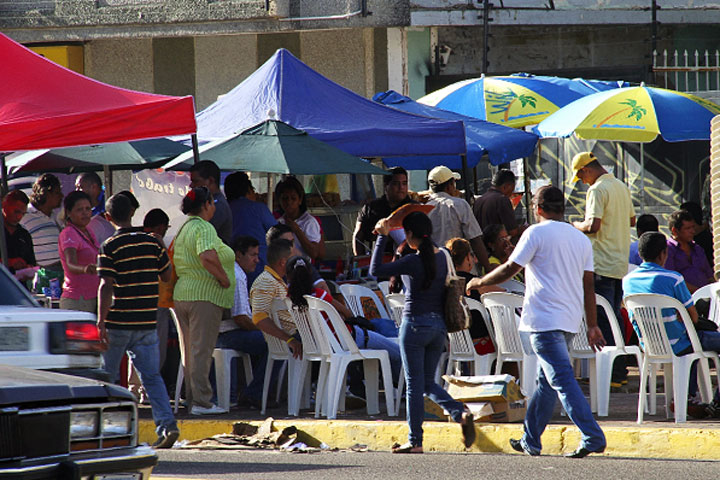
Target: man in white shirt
{"type": "Point", "coordinates": [558, 262]}
{"type": "Point", "coordinates": [452, 216]}
{"type": "Point", "coordinates": [238, 332]}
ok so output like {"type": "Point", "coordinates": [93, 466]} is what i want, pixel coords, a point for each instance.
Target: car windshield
{"type": "Point", "coordinates": [12, 292]}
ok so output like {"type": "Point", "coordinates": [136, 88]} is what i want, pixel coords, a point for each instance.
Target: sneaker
{"type": "Point", "coordinates": [167, 438]}
{"type": "Point", "coordinates": [211, 410]}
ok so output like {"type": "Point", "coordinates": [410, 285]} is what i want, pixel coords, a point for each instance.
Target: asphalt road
{"type": "Point", "coordinates": [227, 465]}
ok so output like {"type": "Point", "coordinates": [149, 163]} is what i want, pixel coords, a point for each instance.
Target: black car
{"type": "Point", "coordinates": [55, 426]}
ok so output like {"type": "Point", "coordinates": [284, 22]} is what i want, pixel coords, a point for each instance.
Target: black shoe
{"type": "Point", "coordinates": [712, 409]}
{"type": "Point", "coordinates": [518, 447]}
{"type": "Point", "coordinates": [583, 452]}
{"type": "Point", "coordinates": [167, 438]}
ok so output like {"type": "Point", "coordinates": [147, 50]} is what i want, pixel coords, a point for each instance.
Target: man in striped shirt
{"type": "Point", "coordinates": [268, 286]}
{"type": "Point", "coordinates": [41, 221]}
{"type": "Point", "coordinates": [129, 265]}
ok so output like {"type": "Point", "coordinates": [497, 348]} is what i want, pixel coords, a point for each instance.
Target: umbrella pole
{"type": "Point", "coordinates": [468, 192]}
{"type": "Point", "coordinates": [3, 239]}
{"type": "Point", "coordinates": [195, 147]}
{"type": "Point", "coordinates": [269, 197]}
{"type": "Point", "coordinates": [642, 178]}
{"type": "Point", "coordinates": [108, 181]}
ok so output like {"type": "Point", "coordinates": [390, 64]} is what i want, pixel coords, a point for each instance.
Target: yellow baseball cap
{"type": "Point", "coordinates": [579, 161]}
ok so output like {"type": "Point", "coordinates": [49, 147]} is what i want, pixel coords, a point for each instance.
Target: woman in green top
{"type": "Point", "coordinates": [205, 286]}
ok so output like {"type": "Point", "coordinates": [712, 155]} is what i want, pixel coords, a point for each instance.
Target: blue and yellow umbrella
{"type": "Point", "coordinates": [634, 114]}
{"type": "Point", "coordinates": [514, 100]}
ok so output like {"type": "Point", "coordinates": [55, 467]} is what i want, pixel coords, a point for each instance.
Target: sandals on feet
{"type": "Point", "coordinates": [406, 448]}
{"type": "Point", "coordinates": [468, 428]}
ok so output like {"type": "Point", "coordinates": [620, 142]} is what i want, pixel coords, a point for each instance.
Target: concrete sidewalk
{"type": "Point", "coordinates": [657, 437]}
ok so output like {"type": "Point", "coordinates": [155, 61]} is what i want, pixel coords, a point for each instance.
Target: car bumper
{"type": "Point", "coordinates": [135, 465]}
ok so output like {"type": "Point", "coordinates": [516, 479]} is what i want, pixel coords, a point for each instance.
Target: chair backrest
{"type": "Point", "coordinates": [354, 294]}
{"type": "Point", "coordinates": [477, 305]}
{"type": "Point", "coordinates": [513, 286]}
{"type": "Point", "coordinates": [314, 342]}
{"type": "Point", "coordinates": [646, 310]}
{"type": "Point", "coordinates": [579, 346]}
{"type": "Point", "coordinates": [384, 288]}
{"type": "Point", "coordinates": [396, 304]}
{"type": "Point", "coordinates": [275, 345]}
{"type": "Point", "coordinates": [614, 322]}
{"type": "Point", "coordinates": [501, 307]}
{"type": "Point", "coordinates": [342, 341]}
{"type": "Point", "coordinates": [461, 343]}
{"type": "Point", "coordinates": [710, 292]}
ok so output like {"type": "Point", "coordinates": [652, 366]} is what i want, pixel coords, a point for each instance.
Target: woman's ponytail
{"type": "Point", "coordinates": [420, 226]}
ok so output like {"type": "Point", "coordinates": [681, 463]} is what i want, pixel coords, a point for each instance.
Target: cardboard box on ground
{"type": "Point", "coordinates": [491, 398]}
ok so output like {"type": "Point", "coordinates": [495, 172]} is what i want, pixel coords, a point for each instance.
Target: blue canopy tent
{"type": "Point", "coordinates": [501, 144]}
{"type": "Point", "coordinates": [286, 89]}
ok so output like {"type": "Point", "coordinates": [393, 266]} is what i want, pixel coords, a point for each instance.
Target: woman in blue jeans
{"type": "Point", "coordinates": [422, 334]}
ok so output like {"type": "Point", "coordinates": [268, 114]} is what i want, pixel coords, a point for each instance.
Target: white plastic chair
{"type": "Point", "coordinates": [462, 350]}
{"type": "Point", "coordinates": [580, 349]}
{"type": "Point", "coordinates": [315, 349]}
{"type": "Point", "coordinates": [223, 373]}
{"type": "Point", "coordinates": [501, 307]}
{"type": "Point", "coordinates": [646, 309]}
{"type": "Point", "coordinates": [354, 294]}
{"type": "Point", "coordinates": [709, 291]}
{"type": "Point", "coordinates": [384, 288]}
{"type": "Point", "coordinates": [606, 357]}
{"type": "Point", "coordinates": [345, 351]}
{"type": "Point", "coordinates": [278, 351]}
{"type": "Point", "coordinates": [396, 304]}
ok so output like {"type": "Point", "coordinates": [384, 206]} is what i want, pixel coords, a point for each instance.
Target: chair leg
{"type": "Point", "coordinates": [592, 372]}
{"type": "Point", "coordinates": [266, 383]}
{"type": "Point", "coordinates": [178, 386]}
{"type": "Point", "coordinates": [529, 374]}
{"type": "Point", "coordinates": [247, 363]}
{"type": "Point", "coordinates": [399, 391]}
{"type": "Point", "coordinates": [320, 390]}
{"type": "Point", "coordinates": [297, 369]}
{"type": "Point", "coordinates": [704, 380]}
{"type": "Point", "coordinates": [603, 366]}
{"type": "Point", "coordinates": [669, 374]}
{"type": "Point", "coordinates": [681, 379]}
{"type": "Point", "coordinates": [641, 394]}
{"type": "Point", "coordinates": [281, 374]}
{"type": "Point", "coordinates": [372, 380]}
{"type": "Point", "coordinates": [386, 370]}
{"type": "Point", "coordinates": [223, 366]}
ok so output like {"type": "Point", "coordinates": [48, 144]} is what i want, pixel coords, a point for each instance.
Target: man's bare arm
{"type": "Point", "coordinates": [591, 225]}
{"type": "Point", "coordinates": [594, 335]}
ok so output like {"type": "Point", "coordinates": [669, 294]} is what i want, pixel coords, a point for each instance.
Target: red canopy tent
{"type": "Point", "coordinates": [44, 105]}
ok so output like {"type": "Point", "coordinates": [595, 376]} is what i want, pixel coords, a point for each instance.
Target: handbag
{"type": "Point", "coordinates": [457, 313]}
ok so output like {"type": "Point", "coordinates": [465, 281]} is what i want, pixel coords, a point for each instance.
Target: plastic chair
{"type": "Point", "coordinates": [315, 349]}
{"type": "Point", "coordinates": [343, 351]}
{"type": "Point", "coordinates": [396, 304]}
{"type": "Point", "coordinates": [709, 291]}
{"type": "Point", "coordinates": [223, 373]}
{"type": "Point", "coordinates": [501, 307]}
{"type": "Point", "coordinates": [278, 351]}
{"type": "Point", "coordinates": [354, 294]}
{"type": "Point", "coordinates": [384, 288]}
{"type": "Point", "coordinates": [222, 359]}
{"type": "Point", "coordinates": [646, 309]}
{"type": "Point", "coordinates": [580, 349]}
{"type": "Point", "coordinates": [606, 357]}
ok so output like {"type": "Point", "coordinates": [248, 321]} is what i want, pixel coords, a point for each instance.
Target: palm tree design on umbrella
{"type": "Point", "coordinates": [503, 101]}
{"type": "Point", "coordinates": [636, 111]}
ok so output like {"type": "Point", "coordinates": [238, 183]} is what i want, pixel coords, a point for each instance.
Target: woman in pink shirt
{"type": "Point", "coordinates": [78, 255]}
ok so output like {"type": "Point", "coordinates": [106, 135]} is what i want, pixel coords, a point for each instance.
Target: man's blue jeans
{"type": "Point", "coordinates": [142, 347]}
{"type": "Point", "coordinates": [556, 379]}
{"type": "Point", "coordinates": [422, 340]}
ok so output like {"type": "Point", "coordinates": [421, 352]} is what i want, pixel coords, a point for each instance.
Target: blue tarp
{"type": "Point", "coordinates": [501, 144]}
{"type": "Point", "coordinates": [286, 89]}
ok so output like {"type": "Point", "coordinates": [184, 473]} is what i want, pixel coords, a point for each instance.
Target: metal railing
{"type": "Point", "coordinates": [688, 72]}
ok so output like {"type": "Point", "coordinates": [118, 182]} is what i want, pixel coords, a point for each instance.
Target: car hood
{"type": "Point", "coordinates": [22, 385]}
{"type": "Point", "coordinates": [12, 312]}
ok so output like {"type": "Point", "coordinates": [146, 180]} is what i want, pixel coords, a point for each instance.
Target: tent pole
{"type": "Point", "coordinates": [468, 192]}
{"type": "Point", "coordinates": [108, 181]}
{"type": "Point", "coordinates": [3, 239]}
{"type": "Point", "coordinates": [195, 147]}
{"type": "Point", "coordinates": [642, 178]}
{"type": "Point", "coordinates": [526, 174]}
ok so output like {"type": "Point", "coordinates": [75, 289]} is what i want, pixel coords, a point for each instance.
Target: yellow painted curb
{"type": "Point", "coordinates": [680, 443]}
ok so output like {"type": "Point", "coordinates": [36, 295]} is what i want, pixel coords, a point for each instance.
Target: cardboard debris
{"type": "Point", "coordinates": [491, 398]}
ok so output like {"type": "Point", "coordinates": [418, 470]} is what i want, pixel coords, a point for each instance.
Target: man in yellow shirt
{"type": "Point", "coordinates": [609, 215]}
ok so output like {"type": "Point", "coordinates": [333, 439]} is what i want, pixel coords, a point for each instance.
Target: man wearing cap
{"type": "Point", "coordinates": [452, 216]}
{"type": "Point", "coordinates": [609, 215]}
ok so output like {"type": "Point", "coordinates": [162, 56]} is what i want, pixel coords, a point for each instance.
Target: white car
{"type": "Point", "coordinates": [41, 338]}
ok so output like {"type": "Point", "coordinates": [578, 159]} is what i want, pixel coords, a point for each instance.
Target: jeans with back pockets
{"type": "Point", "coordinates": [556, 378]}
{"type": "Point", "coordinates": [142, 348]}
{"type": "Point", "coordinates": [422, 340]}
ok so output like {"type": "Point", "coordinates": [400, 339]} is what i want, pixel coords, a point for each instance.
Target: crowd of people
{"type": "Point", "coordinates": [232, 257]}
